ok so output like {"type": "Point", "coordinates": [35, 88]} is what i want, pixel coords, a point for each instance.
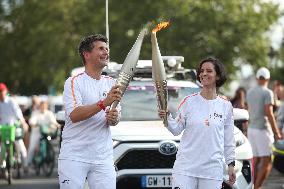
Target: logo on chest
{"type": "Point", "coordinates": [104, 94]}
{"type": "Point", "coordinates": [212, 117]}
{"type": "Point", "coordinates": [216, 115]}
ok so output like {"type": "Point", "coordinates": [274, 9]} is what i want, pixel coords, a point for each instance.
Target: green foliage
{"type": "Point", "coordinates": [38, 39]}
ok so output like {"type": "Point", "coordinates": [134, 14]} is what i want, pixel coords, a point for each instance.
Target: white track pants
{"type": "Point", "coordinates": [73, 174]}
{"type": "Point", "coordinates": [187, 182]}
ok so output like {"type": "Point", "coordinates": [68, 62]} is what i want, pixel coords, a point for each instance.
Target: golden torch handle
{"type": "Point", "coordinates": [162, 97]}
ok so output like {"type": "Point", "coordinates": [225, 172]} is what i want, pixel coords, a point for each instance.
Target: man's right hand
{"type": "Point", "coordinates": [113, 95]}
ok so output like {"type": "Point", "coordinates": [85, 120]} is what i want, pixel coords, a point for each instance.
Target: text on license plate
{"type": "Point", "coordinates": [161, 181]}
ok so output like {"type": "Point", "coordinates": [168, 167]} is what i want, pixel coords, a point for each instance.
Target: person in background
{"type": "Point", "coordinates": [27, 115]}
{"type": "Point", "coordinates": [262, 125]}
{"type": "Point", "coordinates": [34, 106]}
{"type": "Point", "coordinates": [40, 118]}
{"type": "Point", "coordinates": [239, 101]}
{"type": "Point", "coordinates": [86, 152]}
{"type": "Point", "coordinates": [280, 112]}
{"type": "Point", "coordinates": [207, 121]}
{"type": "Point", "coordinates": [10, 113]}
{"type": "Point", "coordinates": [277, 88]}
{"type": "Point", "coordinates": [280, 117]}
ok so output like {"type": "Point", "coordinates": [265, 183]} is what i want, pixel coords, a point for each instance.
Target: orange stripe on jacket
{"type": "Point", "coordinates": [72, 89]}
{"type": "Point", "coordinates": [182, 102]}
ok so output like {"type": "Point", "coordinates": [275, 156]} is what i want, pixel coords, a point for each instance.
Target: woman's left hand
{"type": "Point", "coordinates": [232, 175]}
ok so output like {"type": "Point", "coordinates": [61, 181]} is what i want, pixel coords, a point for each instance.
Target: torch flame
{"type": "Point", "coordinates": [161, 26]}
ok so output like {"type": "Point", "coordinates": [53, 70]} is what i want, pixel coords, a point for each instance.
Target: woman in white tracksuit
{"type": "Point", "coordinates": [206, 120]}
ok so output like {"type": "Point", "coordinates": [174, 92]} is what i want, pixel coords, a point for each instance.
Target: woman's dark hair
{"type": "Point", "coordinates": [87, 44]}
{"type": "Point", "coordinates": [238, 94]}
{"type": "Point", "coordinates": [219, 69]}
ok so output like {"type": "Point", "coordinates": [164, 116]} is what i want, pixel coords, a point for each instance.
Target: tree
{"type": "Point", "coordinates": [229, 30]}
{"type": "Point", "coordinates": [40, 48]}
{"type": "Point", "coordinates": [277, 57]}
{"type": "Point", "coordinates": [38, 39]}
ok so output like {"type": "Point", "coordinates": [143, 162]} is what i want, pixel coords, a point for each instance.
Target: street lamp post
{"type": "Point", "coordinates": [107, 26]}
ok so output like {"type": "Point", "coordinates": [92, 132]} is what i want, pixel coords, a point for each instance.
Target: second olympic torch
{"type": "Point", "coordinates": [129, 65]}
{"type": "Point", "coordinates": [158, 72]}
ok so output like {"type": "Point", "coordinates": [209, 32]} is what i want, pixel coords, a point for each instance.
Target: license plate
{"type": "Point", "coordinates": [159, 181]}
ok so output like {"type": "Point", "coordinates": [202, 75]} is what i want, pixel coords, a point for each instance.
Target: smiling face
{"type": "Point", "coordinates": [98, 57]}
{"type": "Point", "coordinates": [208, 75]}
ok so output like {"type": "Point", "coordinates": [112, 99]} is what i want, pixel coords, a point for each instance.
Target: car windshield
{"type": "Point", "coordinates": [139, 102]}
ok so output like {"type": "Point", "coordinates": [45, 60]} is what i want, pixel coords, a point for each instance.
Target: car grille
{"type": "Point", "coordinates": [145, 159]}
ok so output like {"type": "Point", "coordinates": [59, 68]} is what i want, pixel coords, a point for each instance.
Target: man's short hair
{"type": "Point", "coordinates": [87, 44]}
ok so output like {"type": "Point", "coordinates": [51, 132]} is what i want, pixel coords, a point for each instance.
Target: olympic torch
{"type": "Point", "coordinates": [129, 65]}
{"type": "Point", "coordinates": [158, 72]}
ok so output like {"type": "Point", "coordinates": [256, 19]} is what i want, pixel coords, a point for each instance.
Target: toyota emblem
{"type": "Point", "coordinates": [168, 147]}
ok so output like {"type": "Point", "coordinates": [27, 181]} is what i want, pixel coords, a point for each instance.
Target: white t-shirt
{"type": "Point", "coordinates": [207, 139]}
{"type": "Point", "coordinates": [88, 140]}
{"type": "Point", "coordinates": [10, 112]}
{"type": "Point", "coordinates": [42, 118]}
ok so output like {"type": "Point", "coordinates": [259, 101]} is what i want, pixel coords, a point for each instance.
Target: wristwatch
{"type": "Point", "coordinates": [232, 164]}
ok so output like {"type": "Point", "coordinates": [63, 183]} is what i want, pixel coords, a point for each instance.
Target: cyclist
{"type": "Point", "coordinates": [40, 117]}
{"type": "Point", "coordinates": [10, 113]}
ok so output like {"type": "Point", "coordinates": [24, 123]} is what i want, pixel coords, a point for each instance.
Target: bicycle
{"type": "Point", "coordinates": [45, 156]}
{"type": "Point", "coordinates": [7, 150]}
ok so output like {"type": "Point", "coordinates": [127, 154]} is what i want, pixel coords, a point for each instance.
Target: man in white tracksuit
{"type": "Point", "coordinates": [86, 149]}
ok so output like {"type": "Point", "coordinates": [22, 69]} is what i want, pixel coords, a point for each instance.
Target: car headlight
{"type": "Point", "coordinates": [114, 143]}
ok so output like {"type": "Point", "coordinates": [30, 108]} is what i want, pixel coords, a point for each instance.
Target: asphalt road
{"type": "Point", "coordinates": [31, 181]}
{"type": "Point", "coordinates": [274, 181]}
